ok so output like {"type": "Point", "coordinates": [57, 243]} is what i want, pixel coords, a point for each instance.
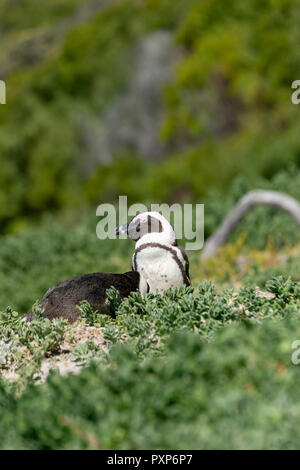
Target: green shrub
{"type": "Point", "coordinates": [33, 13]}
{"type": "Point", "coordinates": [91, 317]}
{"type": "Point", "coordinates": [227, 107]}
{"type": "Point", "coordinates": [24, 345]}
{"type": "Point", "coordinates": [240, 392]}
{"type": "Point", "coordinates": [33, 261]}
{"type": "Point", "coordinates": [148, 321]}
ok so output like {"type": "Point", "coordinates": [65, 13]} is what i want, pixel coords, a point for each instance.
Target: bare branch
{"type": "Point", "coordinates": [246, 204]}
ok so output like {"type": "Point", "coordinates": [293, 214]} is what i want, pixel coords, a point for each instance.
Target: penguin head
{"type": "Point", "coordinates": [149, 224]}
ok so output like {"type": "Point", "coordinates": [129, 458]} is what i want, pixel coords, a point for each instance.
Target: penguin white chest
{"type": "Point", "coordinates": [159, 267]}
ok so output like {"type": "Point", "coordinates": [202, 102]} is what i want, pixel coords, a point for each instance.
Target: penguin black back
{"type": "Point", "coordinates": [61, 300]}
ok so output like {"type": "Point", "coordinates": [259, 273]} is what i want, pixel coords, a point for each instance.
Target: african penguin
{"type": "Point", "coordinates": [61, 300]}
{"type": "Point", "coordinates": [157, 258]}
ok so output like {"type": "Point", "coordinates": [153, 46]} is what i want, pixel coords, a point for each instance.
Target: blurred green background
{"type": "Point", "coordinates": [162, 100]}
{"type": "Point", "coordinates": [159, 100]}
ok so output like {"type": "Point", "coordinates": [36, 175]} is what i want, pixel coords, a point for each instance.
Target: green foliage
{"type": "Point", "coordinates": [284, 290]}
{"type": "Point", "coordinates": [85, 352]}
{"type": "Point", "coordinates": [198, 367]}
{"type": "Point", "coordinates": [24, 345]}
{"type": "Point", "coordinates": [114, 298]}
{"type": "Point", "coordinates": [181, 177]}
{"type": "Point", "coordinates": [227, 67]}
{"type": "Point", "coordinates": [233, 347]}
{"type": "Point", "coordinates": [240, 392]}
{"type": "Point", "coordinates": [229, 104]}
{"type": "Point", "coordinates": [229, 100]}
{"type": "Point", "coordinates": [91, 317]}
{"type": "Point", "coordinates": [148, 321]}
{"type": "Point", "coordinates": [42, 170]}
{"type": "Point", "coordinates": [290, 266]}
{"type": "Point", "coordinates": [263, 223]}
{"type": "Point", "coordinates": [33, 261]}
{"type": "Point", "coordinates": [18, 15]}
{"type": "Point", "coordinates": [41, 136]}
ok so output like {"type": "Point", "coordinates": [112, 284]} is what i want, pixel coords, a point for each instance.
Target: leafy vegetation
{"type": "Point", "coordinates": [17, 16]}
{"type": "Point", "coordinates": [147, 321]}
{"type": "Point", "coordinates": [207, 366]}
{"type": "Point", "coordinates": [35, 259]}
{"type": "Point", "coordinates": [239, 391]}
{"type": "Point", "coordinates": [24, 346]}
{"type": "Point", "coordinates": [229, 99]}
{"type": "Point", "coordinates": [158, 361]}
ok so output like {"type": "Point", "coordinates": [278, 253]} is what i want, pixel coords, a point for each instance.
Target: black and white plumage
{"type": "Point", "coordinates": [160, 263]}
{"type": "Point", "coordinates": [61, 300]}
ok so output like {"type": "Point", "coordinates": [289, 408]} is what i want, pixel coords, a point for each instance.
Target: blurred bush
{"type": "Point", "coordinates": [238, 392]}
{"type": "Point", "coordinates": [229, 126]}
{"type": "Point", "coordinates": [227, 110]}
{"type": "Point", "coordinates": [32, 261]}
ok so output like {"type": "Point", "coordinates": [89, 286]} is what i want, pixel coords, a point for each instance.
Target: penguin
{"type": "Point", "coordinates": [61, 300]}
{"type": "Point", "coordinates": [160, 263]}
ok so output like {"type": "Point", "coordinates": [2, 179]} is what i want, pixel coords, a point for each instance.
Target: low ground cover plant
{"type": "Point", "coordinates": [238, 391]}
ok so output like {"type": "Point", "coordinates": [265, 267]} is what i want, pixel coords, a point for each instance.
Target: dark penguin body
{"type": "Point", "coordinates": [61, 300]}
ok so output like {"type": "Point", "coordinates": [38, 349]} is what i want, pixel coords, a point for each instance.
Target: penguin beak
{"type": "Point", "coordinates": [122, 229]}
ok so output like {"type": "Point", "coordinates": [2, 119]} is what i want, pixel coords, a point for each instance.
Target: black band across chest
{"type": "Point", "coordinates": [164, 247]}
